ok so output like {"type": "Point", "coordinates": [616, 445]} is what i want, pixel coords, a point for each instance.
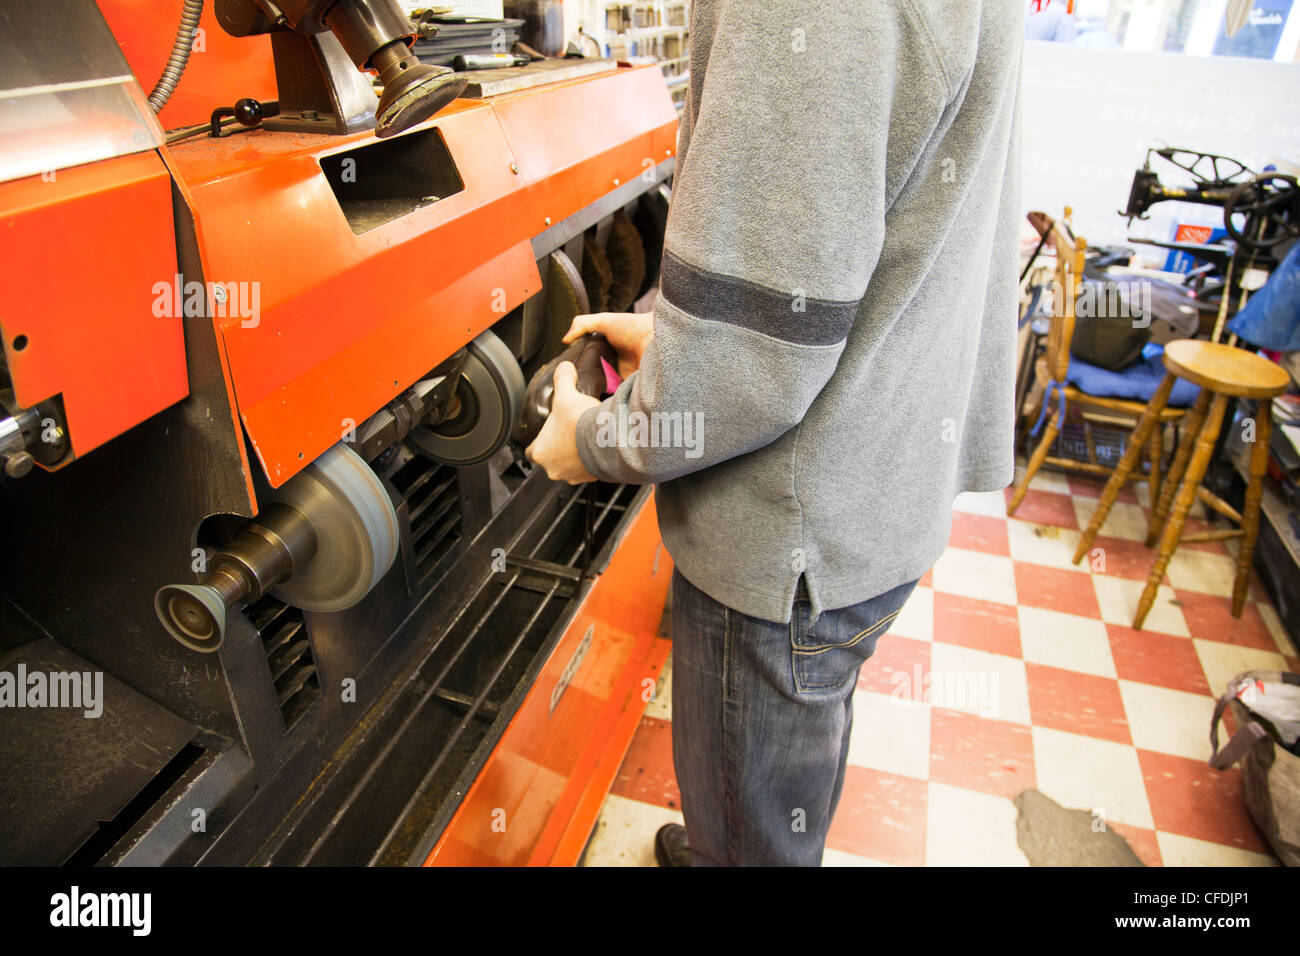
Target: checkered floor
{"type": "Point", "coordinates": [1011, 668]}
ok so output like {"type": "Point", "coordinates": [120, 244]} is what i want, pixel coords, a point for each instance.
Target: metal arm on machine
{"type": "Point", "coordinates": [312, 40]}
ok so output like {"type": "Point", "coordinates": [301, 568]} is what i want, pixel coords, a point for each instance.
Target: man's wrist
{"type": "Point", "coordinates": [584, 436]}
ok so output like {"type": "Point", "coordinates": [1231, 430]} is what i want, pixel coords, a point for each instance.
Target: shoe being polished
{"type": "Point", "coordinates": [595, 361]}
{"type": "Point", "coordinates": [671, 847]}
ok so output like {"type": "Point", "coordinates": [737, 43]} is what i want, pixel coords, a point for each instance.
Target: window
{"type": "Point", "coordinates": [1271, 30]}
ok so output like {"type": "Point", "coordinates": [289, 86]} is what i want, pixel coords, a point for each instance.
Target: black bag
{"type": "Point", "coordinates": [1108, 333]}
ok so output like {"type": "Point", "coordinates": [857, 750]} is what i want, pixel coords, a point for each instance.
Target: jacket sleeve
{"type": "Point", "coordinates": [799, 141]}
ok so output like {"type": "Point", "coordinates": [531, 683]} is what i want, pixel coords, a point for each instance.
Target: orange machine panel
{"type": "Point", "coordinates": [344, 321]}
{"type": "Point", "coordinates": [221, 68]}
{"type": "Point", "coordinates": [83, 250]}
{"type": "Point", "coordinates": [577, 141]}
{"type": "Point", "coordinates": [540, 792]}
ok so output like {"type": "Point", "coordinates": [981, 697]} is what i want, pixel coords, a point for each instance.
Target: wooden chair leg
{"type": "Point", "coordinates": [1141, 435]}
{"type": "Point", "coordinates": [1035, 462]}
{"type": "Point", "coordinates": [1169, 487]}
{"type": "Point", "coordinates": [1030, 416]}
{"type": "Point", "coordinates": [1250, 513]}
{"type": "Point", "coordinates": [1156, 452]}
{"type": "Point", "coordinates": [1173, 530]}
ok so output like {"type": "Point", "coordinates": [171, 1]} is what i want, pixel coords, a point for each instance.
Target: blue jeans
{"type": "Point", "coordinates": [761, 720]}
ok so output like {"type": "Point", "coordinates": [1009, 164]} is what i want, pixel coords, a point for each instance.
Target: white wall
{"type": "Point", "coordinates": [1090, 115]}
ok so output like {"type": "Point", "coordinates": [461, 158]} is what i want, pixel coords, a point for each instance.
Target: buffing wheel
{"type": "Point", "coordinates": [489, 399]}
{"type": "Point", "coordinates": [356, 531]}
{"type": "Point", "coordinates": [194, 614]}
{"type": "Point", "coordinates": [422, 92]}
{"type": "Point", "coordinates": [597, 275]}
{"type": "Point", "coordinates": [565, 297]}
{"type": "Point", "coordinates": [627, 263]}
{"type": "Point", "coordinates": [651, 221]}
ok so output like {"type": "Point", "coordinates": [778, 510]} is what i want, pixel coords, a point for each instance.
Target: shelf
{"type": "Point", "coordinates": [1272, 505]}
{"type": "Point", "coordinates": [638, 33]}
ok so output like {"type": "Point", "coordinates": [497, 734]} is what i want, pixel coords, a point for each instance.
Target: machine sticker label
{"type": "Point", "coordinates": [571, 668]}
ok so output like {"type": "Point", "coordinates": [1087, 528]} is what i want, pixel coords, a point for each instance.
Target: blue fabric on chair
{"type": "Point", "coordinates": [1136, 382]}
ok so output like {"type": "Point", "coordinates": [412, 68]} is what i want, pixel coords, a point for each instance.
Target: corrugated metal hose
{"type": "Point", "coordinates": [180, 55]}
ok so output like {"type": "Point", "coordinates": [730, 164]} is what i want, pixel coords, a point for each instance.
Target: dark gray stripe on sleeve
{"type": "Point", "coordinates": [707, 295]}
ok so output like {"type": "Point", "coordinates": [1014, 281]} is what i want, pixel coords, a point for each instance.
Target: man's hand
{"type": "Point", "coordinates": [556, 445]}
{"type": "Point", "coordinates": [628, 332]}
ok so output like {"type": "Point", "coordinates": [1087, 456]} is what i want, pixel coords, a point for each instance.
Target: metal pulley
{"type": "Point", "coordinates": [1270, 205]}
{"type": "Point", "coordinates": [488, 400]}
{"type": "Point", "coordinates": [321, 542]}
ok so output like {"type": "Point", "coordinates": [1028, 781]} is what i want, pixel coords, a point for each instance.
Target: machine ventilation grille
{"type": "Point", "coordinates": [288, 655]}
{"type": "Point", "coordinates": [403, 781]}
{"type": "Point", "coordinates": [431, 493]}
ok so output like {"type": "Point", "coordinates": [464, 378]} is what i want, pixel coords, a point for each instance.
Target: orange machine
{"type": "Point", "coordinates": [266, 334]}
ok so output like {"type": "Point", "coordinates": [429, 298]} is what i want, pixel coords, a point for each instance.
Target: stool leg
{"type": "Point", "coordinates": [1173, 530]}
{"type": "Point", "coordinates": [1250, 513]}
{"type": "Point", "coordinates": [1137, 442]}
{"type": "Point", "coordinates": [1160, 506]}
{"type": "Point", "coordinates": [1156, 451]}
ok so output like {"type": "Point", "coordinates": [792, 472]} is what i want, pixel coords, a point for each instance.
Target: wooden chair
{"type": "Point", "coordinates": [1051, 372]}
{"type": "Point", "coordinates": [1221, 371]}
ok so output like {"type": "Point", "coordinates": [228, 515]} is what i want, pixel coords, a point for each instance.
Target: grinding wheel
{"type": "Point", "coordinates": [565, 289]}
{"type": "Point", "coordinates": [356, 531]}
{"type": "Point", "coordinates": [489, 399]}
{"type": "Point", "coordinates": [321, 542]}
{"type": "Point", "coordinates": [565, 298]}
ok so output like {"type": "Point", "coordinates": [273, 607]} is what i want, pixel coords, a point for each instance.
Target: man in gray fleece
{"type": "Point", "coordinates": [829, 364]}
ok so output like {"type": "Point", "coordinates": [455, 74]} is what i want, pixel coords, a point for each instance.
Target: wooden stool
{"type": "Point", "coordinates": [1222, 372]}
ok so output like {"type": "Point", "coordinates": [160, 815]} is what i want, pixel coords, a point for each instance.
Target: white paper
{"type": "Point", "coordinates": [465, 8]}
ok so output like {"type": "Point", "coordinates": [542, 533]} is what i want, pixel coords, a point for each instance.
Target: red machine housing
{"type": "Point", "coordinates": [346, 318]}
{"type": "Point", "coordinates": [80, 324]}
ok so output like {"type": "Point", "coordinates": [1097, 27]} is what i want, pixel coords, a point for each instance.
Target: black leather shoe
{"type": "Point", "coordinates": [585, 354]}
{"type": "Point", "coordinates": [671, 848]}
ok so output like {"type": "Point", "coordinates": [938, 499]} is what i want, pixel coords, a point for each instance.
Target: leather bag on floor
{"type": "Point", "coordinates": [1270, 772]}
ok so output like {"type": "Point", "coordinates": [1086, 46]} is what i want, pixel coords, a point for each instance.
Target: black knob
{"type": "Point", "coordinates": [248, 111]}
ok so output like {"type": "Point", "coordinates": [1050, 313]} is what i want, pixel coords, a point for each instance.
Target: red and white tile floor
{"type": "Point", "coordinates": [1009, 669]}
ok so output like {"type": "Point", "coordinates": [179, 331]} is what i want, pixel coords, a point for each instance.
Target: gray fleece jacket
{"type": "Point", "coordinates": [834, 338]}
